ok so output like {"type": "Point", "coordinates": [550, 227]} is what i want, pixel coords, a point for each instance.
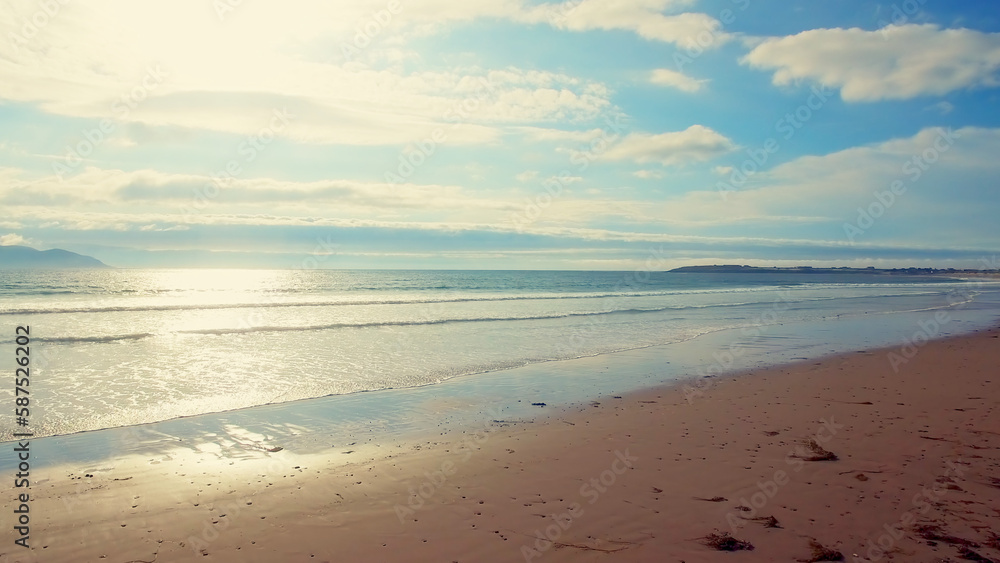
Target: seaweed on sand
{"type": "Point", "coordinates": [767, 521]}
{"type": "Point", "coordinates": [933, 532]}
{"type": "Point", "coordinates": [725, 542]}
{"type": "Point", "coordinates": [820, 553]}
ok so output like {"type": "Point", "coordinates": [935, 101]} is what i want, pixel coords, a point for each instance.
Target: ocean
{"type": "Point", "coordinates": [114, 348]}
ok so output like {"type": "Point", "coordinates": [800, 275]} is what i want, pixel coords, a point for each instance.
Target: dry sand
{"type": "Point", "coordinates": [636, 478]}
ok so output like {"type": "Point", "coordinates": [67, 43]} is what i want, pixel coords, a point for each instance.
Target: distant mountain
{"type": "Point", "coordinates": [17, 257]}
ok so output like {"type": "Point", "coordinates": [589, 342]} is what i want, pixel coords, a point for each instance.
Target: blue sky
{"type": "Point", "coordinates": [588, 134]}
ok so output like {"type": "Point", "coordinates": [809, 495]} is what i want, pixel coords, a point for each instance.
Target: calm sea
{"type": "Point", "coordinates": [121, 347]}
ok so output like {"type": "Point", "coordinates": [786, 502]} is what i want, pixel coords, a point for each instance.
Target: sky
{"type": "Point", "coordinates": [509, 134]}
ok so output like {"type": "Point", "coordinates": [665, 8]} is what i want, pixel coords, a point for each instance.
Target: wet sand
{"type": "Point", "coordinates": [638, 477]}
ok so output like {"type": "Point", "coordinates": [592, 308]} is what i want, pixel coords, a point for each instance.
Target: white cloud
{"type": "Point", "coordinates": [152, 227]}
{"type": "Point", "coordinates": [799, 203]}
{"type": "Point", "coordinates": [228, 76]}
{"type": "Point", "coordinates": [655, 20]}
{"type": "Point", "coordinates": [154, 201]}
{"type": "Point", "coordinates": [864, 168]}
{"type": "Point", "coordinates": [695, 144]}
{"type": "Point", "coordinates": [13, 239]}
{"type": "Point", "coordinates": [943, 107]}
{"type": "Point", "coordinates": [118, 191]}
{"type": "Point", "coordinates": [648, 174]}
{"type": "Point", "coordinates": [947, 181]}
{"type": "Point", "coordinates": [674, 79]}
{"type": "Point", "coordinates": [527, 176]}
{"type": "Point", "coordinates": [955, 193]}
{"type": "Point", "coordinates": [897, 62]}
{"type": "Point", "coordinates": [643, 17]}
{"type": "Point", "coordinates": [541, 134]}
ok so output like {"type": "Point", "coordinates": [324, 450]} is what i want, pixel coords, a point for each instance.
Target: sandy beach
{"type": "Point", "coordinates": [840, 455]}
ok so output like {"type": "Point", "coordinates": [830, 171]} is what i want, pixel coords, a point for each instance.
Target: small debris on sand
{"type": "Point", "coordinates": [968, 554]}
{"type": "Point", "coordinates": [933, 532]}
{"type": "Point", "coordinates": [767, 521]}
{"type": "Point", "coordinates": [726, 542]}
{"type": "Point", "coordinates": [818, 452]}
{"type": "Point", "coordinates": [820, 553]}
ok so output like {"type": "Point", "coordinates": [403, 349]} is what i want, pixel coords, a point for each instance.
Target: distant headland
{"type": "Point", "coordinates": [736, 269]}
{"type": "Point", "coordinates": [25, 257]}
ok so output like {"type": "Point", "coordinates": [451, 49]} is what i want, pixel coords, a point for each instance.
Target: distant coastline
{"type": "Point", "coordinates": [736, 269]}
